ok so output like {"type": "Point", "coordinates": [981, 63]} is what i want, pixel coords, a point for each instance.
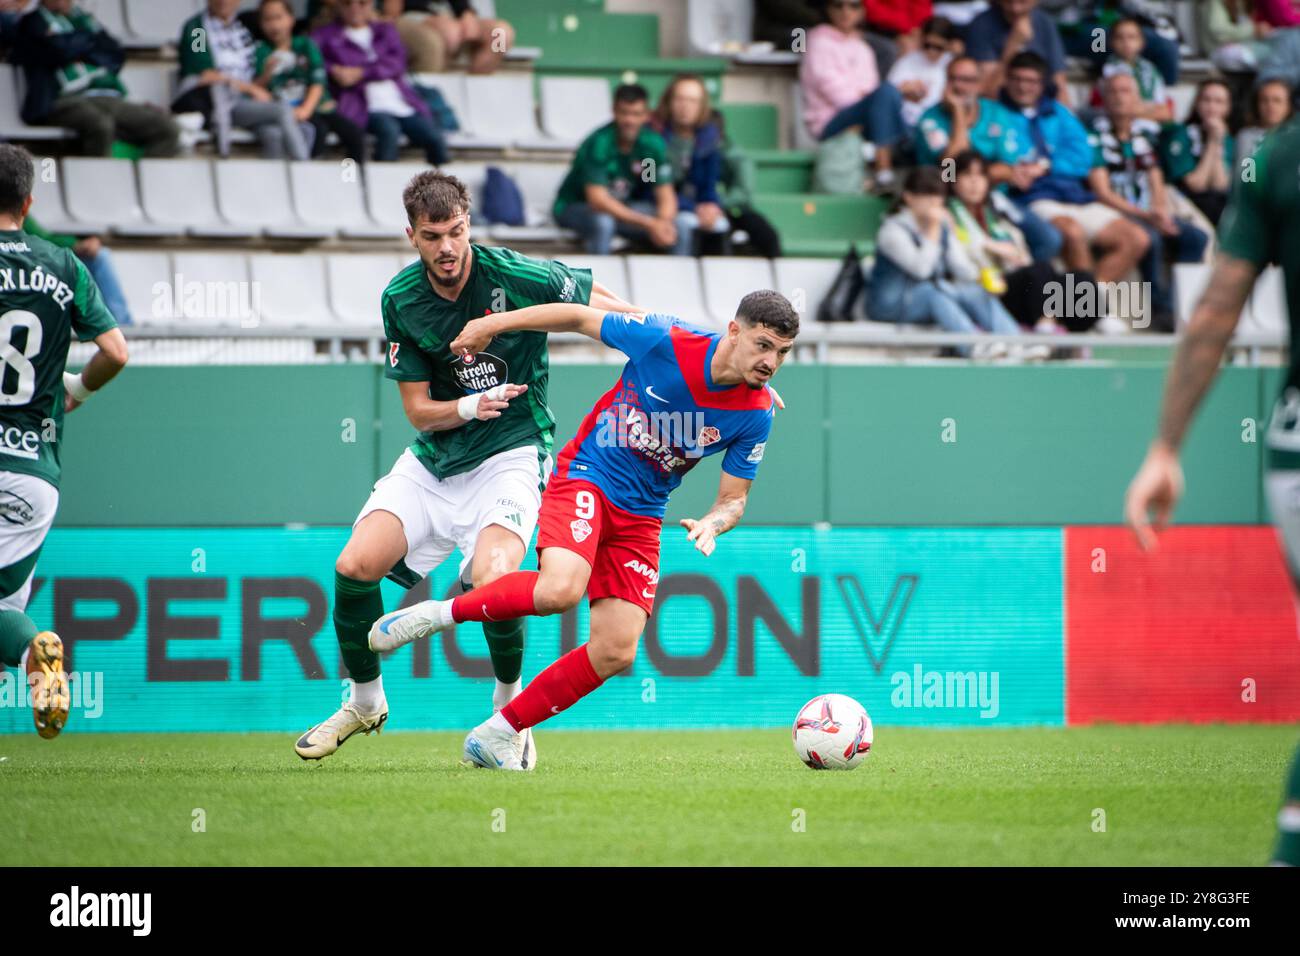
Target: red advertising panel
{"type": "Point", "coordinates": [1203, 629]}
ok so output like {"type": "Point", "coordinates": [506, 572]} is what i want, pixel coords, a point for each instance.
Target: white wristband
{"type": "Point", "coordinates": [467, 407]}
{"type": "Point", "coordinates": [74, 386]}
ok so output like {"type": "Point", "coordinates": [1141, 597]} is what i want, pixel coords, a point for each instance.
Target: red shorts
{"type": "Point", "coordinates": [622, 548]}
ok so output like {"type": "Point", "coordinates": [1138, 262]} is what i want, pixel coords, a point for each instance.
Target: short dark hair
{"type": "Point", "coordinates": [434, 195]}
{"type": "Point", "coordinates": [770, 309]}
{"type": "Point", "coordinates": [1123, 20]}
{"type": "Point", "coordinates": [1029, 60]}
{"type": "Point", "coordinates": [17, 174]}
{"type": "Point", "coordinates": [963, 161]}
{"type": "Point", "coordinates": [939, 27]}
{"type": "Point", "coordinates": [630, 93]}
{"type": "Point", "coordinates": [925, 181]}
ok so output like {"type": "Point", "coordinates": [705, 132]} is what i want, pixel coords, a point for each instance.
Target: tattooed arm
{"type": "Point", "coordinates": [722, 517]}
{"type": "Point", "coordinates": [1159, 482]}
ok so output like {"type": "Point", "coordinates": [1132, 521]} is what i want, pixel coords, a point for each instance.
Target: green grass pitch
{"type": "Point", "coordinates": [1177, 795]}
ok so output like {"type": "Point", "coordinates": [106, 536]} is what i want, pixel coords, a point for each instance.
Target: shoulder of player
{"type": "Point", "coordinates": [63, 260]}
{"type": "Point", "coordinates": [507, 263]}
{"type": "Point", "coordinates": [406, 284]}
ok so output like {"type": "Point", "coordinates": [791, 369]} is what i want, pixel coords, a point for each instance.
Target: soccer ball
{"type": "Point", "coordinates": [832, 732]}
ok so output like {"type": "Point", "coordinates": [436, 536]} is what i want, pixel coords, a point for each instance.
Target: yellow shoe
{"type": "Point", "coordinates": [48, 683]}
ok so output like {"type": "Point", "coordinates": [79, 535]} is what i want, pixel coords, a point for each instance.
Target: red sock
{"type": "Point", "coordinates": [557, 688]}
{"type": "Point", "coordinates": [508, 597]}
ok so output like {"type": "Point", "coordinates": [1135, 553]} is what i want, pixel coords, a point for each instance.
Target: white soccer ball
{"type": "Point", "coordinates": [832, 732]}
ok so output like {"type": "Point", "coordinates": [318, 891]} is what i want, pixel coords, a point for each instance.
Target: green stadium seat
{"type": "Point", "coordinates": [751, 125]}
{"type": "Point", "coordinates": [588, 37]}
{"type": "Point", "coordinates": [783, 170]}
{"type": "Point", "coordinates": [654, 73]}
{"type": "Point", "coordinates": [818, 225]}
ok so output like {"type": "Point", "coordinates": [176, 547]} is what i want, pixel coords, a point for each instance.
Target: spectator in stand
{"type": "Point", "coordinates": [1270, 107]}
{"type": "Point", "coordinates": [1238, 41]}
{"type": "Point", "coordinates": [985, 225]}
{"type": "Point", "coordinates": [841, 87]}
{"type": "Point", "coordinates": [1281, 59]}
{"type": "Point", "coordinates": [454, 27]}
{"type": "Point", "coordinates": [367, 68]}
{"type": "Point", "coordinates": [1081, 21]}
{"type": "Point", "coordinates": [752, 233]}
{"type": "Point", "coordinates": [70, 64]}
{"type": "Point", "coordinates": [1010, 27]}
{"type": "Point", "coordinates": [1197, 155]}
{"type": "Point", "coordinates": [1278, 13]}
{"type": "Point", "coordinates": [621, 183]}
{"type": "Point", "coordinates": [899, 21]}
{"type": "Point", "coordinates": [920, 76]}
{"type": "Point", "coordinates": [1127, 44]}
{"type": "Point", "coordinates": [962, 120]}
{"type": "Point", "coordinates": [1127, 177]}
{"type": "Point", "coordinates": [1050, 178]}
{"type": "Point", "coordinates": [293, 70]}
{"type": "Point", "coordinates": [99, 263]}
{"type": "Point", "coordinates": [217, 54]}
{"type": "Point", "coordinates": [786, 25]}
{"type": "Point", "coordinates": [922, 274]}
{"type": "Point", "coordinates": [694, 148]}
{"type": "Point", "coordinates": [11, 12]}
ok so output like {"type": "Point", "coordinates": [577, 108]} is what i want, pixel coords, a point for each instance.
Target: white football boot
{"type": "Point", "coordinates": [495, 749]}
{"type": "Point", "coordinates": [401, 627]}
{"type": "Point", "coordinates": [329, 735]}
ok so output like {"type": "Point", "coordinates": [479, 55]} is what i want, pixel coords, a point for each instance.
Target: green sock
{"type": "Point", "coordinates": [1288, 821]}
{"type": "Point", "coordinates": [16, 632]}
{"type": "Point", "coordinates": [505, 641]}
{"type": "Point", "coordinates": [357, 605]}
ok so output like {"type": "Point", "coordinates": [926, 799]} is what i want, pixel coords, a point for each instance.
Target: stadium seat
{"type": "Point", "coordinates": [355, 284]}
{"type": "Point", "coordinates": [572, 106]}
{"type": "Point", "coordinates": [112, 19]}
{"type": "Point", "coordinates": [148, 83]}
{"type": "Point", "coordinates": [47, 202]}
{"type": "Point", "coordinates": [11, 122]}
{"type": "Point", "coordinates": [384, 185]}
{"type": "Point", "coordinates": [290, 290]}
{"type": "Point", "coordinates": [324, 197]}
{"type": "Point", "coordinates": [823, 225]}
{"type": "Point", "coordinates": [669, 285]}
{"type": "Point", "coordinates": [158, 22]}
{"type": "Point", "coordinates": [147, 282]}
{"type": "Point", "coordinates": [212, 289]}
{"type": "Point", "coordinates": [104, 190]}
{"type": "Point", "coordinates": [805, 282]}
{"type": "Point", "coordinates": [728, 280]}
{"type": "Point", "coordinates": [539, 183]}
{"type": "Point", "coordinates": [255, 192]}
{"type": "Point", "coordinates": [500, 113]}
{"type": "Point", "coordinates": [609, 271]}
{"type": "Point", "coordinates": [1269, 314]}
{"type": "Point", "coordinates": [473, 175]}
{"type": "Point", "coordinates": [181, 193]}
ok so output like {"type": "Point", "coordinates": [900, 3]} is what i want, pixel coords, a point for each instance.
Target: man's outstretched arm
{"type": "Point", "coordinates": [725, 514]}
{"type": "Point", "coordinates": [551, 317]}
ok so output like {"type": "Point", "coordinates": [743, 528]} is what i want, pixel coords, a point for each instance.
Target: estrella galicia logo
{"type": "Point", "coordinates": [478, 373]}
{"type": "Point", "coordinates": [15, 509]}
{"type": "Point", "coordinates": [885, 628]}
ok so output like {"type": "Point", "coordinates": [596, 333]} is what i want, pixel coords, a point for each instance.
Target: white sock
{"type": "Point", "coordinates": [505, 693]}
{"type": "Point", "coordinates": [368, 696]}
{"type": "Point", "coordinates": [441, 612]}
{"type": "Point", "coordinates": [497, 722]}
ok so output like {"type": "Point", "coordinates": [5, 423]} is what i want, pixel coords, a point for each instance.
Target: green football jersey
{"type": "Point", "coordinates": [420, 325]}
{"type": "Point", "coordinates": [46, 294]}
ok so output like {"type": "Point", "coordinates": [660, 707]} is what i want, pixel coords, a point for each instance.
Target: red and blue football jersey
{"type": "Point", "coordinates": [663, 415]}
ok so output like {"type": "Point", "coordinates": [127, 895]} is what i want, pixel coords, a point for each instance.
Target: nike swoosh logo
{"type": "Point", "coordinates": [383, 625]}
{"type": "Point", "coordinates": [555, 709]}
{"type": "Point", "coordinates": [648, 593]}
{"type": "Point", "coordinates": [649, 390]}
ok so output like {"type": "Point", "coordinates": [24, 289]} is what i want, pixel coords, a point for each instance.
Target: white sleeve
{"type": "Point", "coordinates": [899, 245]}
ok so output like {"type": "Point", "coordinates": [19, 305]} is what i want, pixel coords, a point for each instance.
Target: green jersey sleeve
{"type": "Point", "coordinates": [528, 281]}
{"type": "Point", "coordinates": [406, 361]}
{"type": "Point", "coordinates": [316, 74]}
{"type": "Point", "coordinates": [592, 163]}
{"type": "Point", "coordinates": [1176, 152]}
{"type": "Point", "coordinates": [1247, 230]}
{"type": "Point", "coordinates": [90, 316]}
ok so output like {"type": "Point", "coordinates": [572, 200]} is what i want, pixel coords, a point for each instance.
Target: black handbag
{"type": "Point", "coordinates": [845, 291]}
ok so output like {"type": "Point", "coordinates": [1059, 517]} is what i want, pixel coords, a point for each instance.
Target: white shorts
{"type": "Point", "coordinates": [439, 516]}
{"type": "Point", "coordinates": [1093, 216]}
{"type": "Point", "coordinates": [27, 508]}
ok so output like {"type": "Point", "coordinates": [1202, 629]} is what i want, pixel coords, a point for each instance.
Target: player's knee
{"type": "Point", "coordinates": [610, 659]}
{"type": "Point", "coordinates": [1071, 232]}
{"type": "Point", "coordinates": [355, 566]}
{"type": "Point", "coordinates": [556, 594]}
